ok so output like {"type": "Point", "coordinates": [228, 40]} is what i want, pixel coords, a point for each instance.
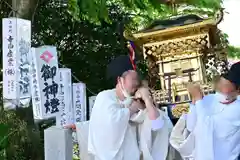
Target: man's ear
{"type": "Point", "coordinates": [118, 79]}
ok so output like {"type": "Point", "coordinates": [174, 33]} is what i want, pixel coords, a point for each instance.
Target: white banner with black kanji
{"type": "Point", "coordinates": [65, 115]}
{"type": "Point", "coordinates": [46, 82]}
{"type": "Point", "coordinates": [79, 102]}
{"type": "Point", "coordinates": [16, 58]}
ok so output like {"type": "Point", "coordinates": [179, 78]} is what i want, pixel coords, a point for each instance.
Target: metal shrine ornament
{"type": "Point", "coordinates": [45, 82]}
{"type": "Point", "coordinates": [179, 50]}
{"type": "Point", "coordinates": [16, 58]}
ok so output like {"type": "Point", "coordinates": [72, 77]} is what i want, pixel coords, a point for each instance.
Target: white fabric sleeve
{"type": "Point", "coordinates": [157, 123]}
{"type": "Point", "coordinates": [182, 142]}
{"type": "Point", "coordinates": [203, 106]}
{"type": "Point", "coordinates": [196, 110]}
{"type": "Point", "coordinates": [82, 137]}
{"type": "Point", "coordinates": [142, 115]}
{"type": "Point", "coordinates": [139, 117]}
{"type": "Point", "coordinates": [191, 118]}
{"type": "Point", "coordinates": [107, 127]}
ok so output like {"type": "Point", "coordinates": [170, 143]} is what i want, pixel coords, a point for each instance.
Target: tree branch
{"type": "Point", "coordinates": [34, 12]}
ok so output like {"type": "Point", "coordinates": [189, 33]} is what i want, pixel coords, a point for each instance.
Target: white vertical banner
{"type": "Point", "coordinates": [16, 58]}
{"type": "Point", "coordinates": [9, 58]}
{"type": "Point", "coordinates": [79, 102]}
{"type": "Point", "coordinates": [91, 101]}
{"type": "Point", "coordinates": [65, 115]}
{"type": "Point", "coordinates": [47, 75]}
{"type": "Point", "coordinates": [35, 89]}
{"type": "Point", "coordinates": [24, 50]}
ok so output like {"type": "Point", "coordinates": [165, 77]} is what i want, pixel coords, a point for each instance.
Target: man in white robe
{"type": "Point", "coordinates": [182, 139]}
{"type": "Point", "coordinates": [214, 129]}
{"type": "Point", "coordinates": [120, 128]}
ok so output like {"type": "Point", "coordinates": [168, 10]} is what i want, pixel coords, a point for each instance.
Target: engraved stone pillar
{"type": "Point", "coordinates": [58, 144]}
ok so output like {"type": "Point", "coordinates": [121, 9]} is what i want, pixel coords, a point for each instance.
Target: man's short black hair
{"type": "Point", "coordinates": [233, 75]}
{"type": "Point", "coordinates": [118, 67]}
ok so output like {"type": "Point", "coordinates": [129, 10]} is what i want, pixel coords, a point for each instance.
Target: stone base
{"type": "Point", "coordinates": [58, 144]}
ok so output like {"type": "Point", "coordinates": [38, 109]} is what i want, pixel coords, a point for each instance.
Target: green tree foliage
{"type": "Point", "coordinates": [84, 47]}
{"type": "Point", "coordinates": [234, 52]}
{"type": "Point", "coordinates": [22, 141]}
{"type": "Point", "coordinates": [4, 129]}
{"type": "Point", "coordinates": [97, 10]}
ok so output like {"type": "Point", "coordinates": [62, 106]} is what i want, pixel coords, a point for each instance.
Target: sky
{"type": "Point", "coordinates": [231, 21]}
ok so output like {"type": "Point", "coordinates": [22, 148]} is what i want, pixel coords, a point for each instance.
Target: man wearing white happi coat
{"type": "Point", "coordinates": [120, 126]}
{"type": "Point", "coordinates": [211, 130]}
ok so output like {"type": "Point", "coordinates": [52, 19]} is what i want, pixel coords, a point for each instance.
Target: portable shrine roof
{"type": "Point", "coordinates": [178, 21]}
{"type": "Point", "coordinates": [175, 26]}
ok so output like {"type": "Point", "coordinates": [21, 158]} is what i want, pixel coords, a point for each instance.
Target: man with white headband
{"type": "Point", "coordinates": [213, 123]}
{"type": "Point", "coordinates": [124, 123]}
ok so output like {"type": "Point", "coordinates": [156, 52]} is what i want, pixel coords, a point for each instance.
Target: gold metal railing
{"type": "Point", "coordinates": [177, 98]}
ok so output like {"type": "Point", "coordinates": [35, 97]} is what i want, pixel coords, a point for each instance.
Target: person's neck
{"type": "Point", "coordinates": [119, 93]}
